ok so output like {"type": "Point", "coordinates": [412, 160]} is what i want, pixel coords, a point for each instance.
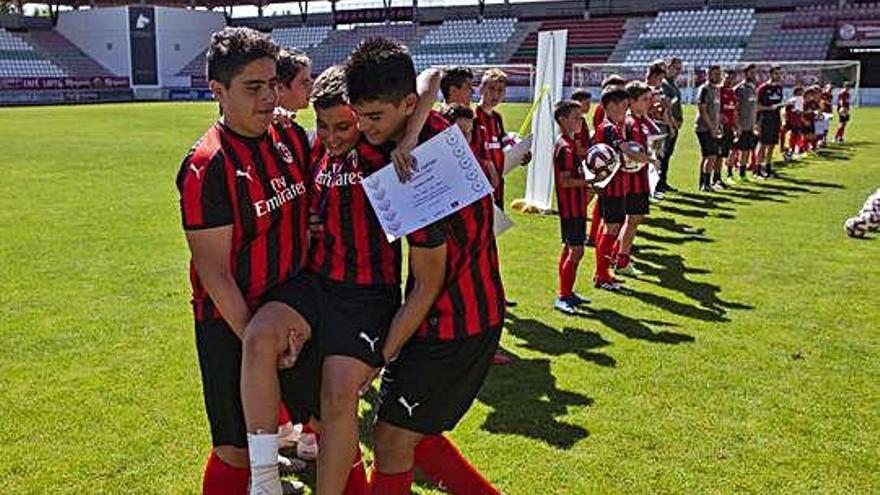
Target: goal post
{"type": "Point", "coordinates": [590, 76]}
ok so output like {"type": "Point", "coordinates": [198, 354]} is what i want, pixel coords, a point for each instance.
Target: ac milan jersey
{"type": "Point", "coordinates": [827, 101]}
{"type": "Point", "coordinates": [793, 118]}
{"type": "Point", "coordinates": [258, 186]}
{"type": "Point", "coordinates": [843, 100]}
{"type": "Point", "coordinates": [728, 107]}
{"type": "Point", "coordinates": [352, 248]}
{"type": "Point", "coordinates": [472, 298]}
{"type": "Point", "coordinates": [491, 133]}
{"type": "Point", "coordinates": [811, 110]}
{"type": "Point", "coordinates": [571, 201]}
{"type": "Point", "coordinates": [598, 116]}
{"type": "Point", "coordinates": [637, 129]}
{"type": "Point", "coordinates": [613, 135]}
{"type": "Point", "coordinates": [583, 141]}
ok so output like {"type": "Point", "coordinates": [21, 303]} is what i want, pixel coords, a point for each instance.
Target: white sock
{"type": "Point", "coordinates": [263, 453]}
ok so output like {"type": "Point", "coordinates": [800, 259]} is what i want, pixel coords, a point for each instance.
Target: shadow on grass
{"type": "Point", "coordinates": [670, 271]}
{"type": "Point", "coordinates": [540, 337]}
{"type": "Point", "coordinates": [635, 328]}
{"type": "Point", "coordinates": [526, 402]}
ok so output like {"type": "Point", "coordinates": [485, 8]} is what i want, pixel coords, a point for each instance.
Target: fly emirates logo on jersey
{"type": "Point", "coordinates": [284, 194]}
{"type": "Point", "coordinates": [337, 178]}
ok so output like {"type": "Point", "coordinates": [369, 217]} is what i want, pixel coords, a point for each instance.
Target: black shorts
{"type": "Point", "coordinates": [747, 141]}
{"type": "Point", "coordinates": [355, 319]}
{"type": "Point", "coordinates": [219, 350]}
{"type": "Point", "coordinates": [432, 383]}
{"type": "Point", "coordinates": [725, 144]}
{"type": "Point", "coordinates": [708, 144]}
{"type": "Point", "coordinates": [574, 231]}
{"type": "Point", "coordinates": [843, 118]}
{"type": "Point", "coordinates": [615, 209]}
{"type": "Point", "coordinates": [770, 131]}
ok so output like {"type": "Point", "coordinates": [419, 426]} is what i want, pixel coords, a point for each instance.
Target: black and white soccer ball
{"type": "Point", "coordinates": [602, 160]}
{"type": "Point", "coordinates": [630, 166]}
{"type": "Point", "coordinates": [872, 204]}
{"type": "Point", "coordinates": [856, 227]}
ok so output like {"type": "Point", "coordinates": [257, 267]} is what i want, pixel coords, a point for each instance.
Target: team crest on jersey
{"type": "Point", "coordinates": [285, 153]}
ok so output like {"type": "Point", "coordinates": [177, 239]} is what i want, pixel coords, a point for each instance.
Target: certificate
{"type": "Point", "coordinates": [447, 177]}
{"type": "Point", "coordinates": [514, 156]}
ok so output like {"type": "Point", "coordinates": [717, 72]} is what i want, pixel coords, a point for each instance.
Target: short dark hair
{"type": "Point", "coordinates": [798, 90]}
{"type": "Point", "coordinates": [581, 94]}
{"type": "Point", "coordinates": [657, 68]}
{"type": "Point", "coordinates": [713, 67]}
{"type": "Point", "coordinates": [614, 94]}
{"type": "Point", "coordinates": [231, 49]}
{"type": "Point", "coordinates": [454, 76]}
{"type": "Point", "coordinates": [776, 67]}
{"type": "Point", "coordinates": [290, 62]}
{"type": "Point", "coordinates": [563, 108]}
{"type": "Point", "coordinates": [613, 80]}
{"type": "Point", "coordinates": [673, 60]}
{"type": "Point", "coordinates": [329, 89]}
{"type": "Point", "coordinates": [750, 67]}
{"type": "Point", "coordinates": [636, 89]}
{"type": "Point", "coordinates": [458, 111]}
{"type": "Point", "coordinates": [380, 69]}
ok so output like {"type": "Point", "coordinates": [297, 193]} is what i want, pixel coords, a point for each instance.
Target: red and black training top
{"type": "Point", "coordinates": [352, 247]}
{"type": "Point", "coordinates": [612, 135]}
{"type": "Point", "coordinates": [583, 141]}
{"type": "Point", "coordinates": [571, 201]}
{"type": "Point", "coordinates": [638, 129]}
{"type": "Point", "coordinates": [728, 107]}
{"type": "Point", "coordinates": [491, 134]}
{"type": "Point", "coordinates": [258, 186]}
{"type": "Point", "coordinates": [843, 100]}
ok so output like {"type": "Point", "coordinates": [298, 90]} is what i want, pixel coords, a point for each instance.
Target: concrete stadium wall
{"type": "Point", "coordinates": [181, 35]}
{"type": "Point", "coordinates": [102, 34]}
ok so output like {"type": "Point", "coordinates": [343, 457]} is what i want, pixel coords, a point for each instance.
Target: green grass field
{"type": "Point", "coordinates": [744, 361]}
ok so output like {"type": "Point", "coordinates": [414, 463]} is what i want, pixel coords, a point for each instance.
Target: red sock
{"type": "Point", "coordinates": [603, 257]}
{"type": "Point", "coordinates": [562, 259]}
{"type": "Point", "coordinates": [622, 260]}
{"type": "Point", "coordinates": [391, 484]}
{"type": "Point", "coordinates": [569, 274]}
{"type": "Point", "coordinates": [222, 479]}
{"type": "Point", "coordinates": [615, 248]}
{"type": "Point", "coordinates": [357, 477]}
{"type": "Point", "coordinates": [438, 458]}
{"type": "Point", "coordinates": [839, 134]}
{"type": "Point", "coordinates": [792, 141]}
{"type": "Point", "coordinates": [596, 223]}
{"type": "Point", "coordinates": [283, 415]}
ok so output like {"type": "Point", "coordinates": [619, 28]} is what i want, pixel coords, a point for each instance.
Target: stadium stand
{"type": "Point", "coordinates": [65, 54]}
{"type": "Point", "coordinates": [464, 42]}
{"type": "Point", "coordinates": [828, 16]}
{"type": "Point", "coordinates": [725, 34]}
{"type": "Point", "coordinates": [336, 46]}
{"type": "Point", "coordinates": [589, 41]}
{"type": "Point", "coordinates": [18, 58]}
{"type": "Point", "coordinates": [301, 37]}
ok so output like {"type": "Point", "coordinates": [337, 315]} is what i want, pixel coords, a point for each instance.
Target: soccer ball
{"type": "Point", "coordinates": [630, 166]}
{"type": "Point", "coordinates": [602, 160]}
{"type": "Point", "coordinates": [856, 227]}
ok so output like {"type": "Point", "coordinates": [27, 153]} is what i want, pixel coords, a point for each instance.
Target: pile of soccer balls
{"type": "Point", "coordinates": [868, 220]}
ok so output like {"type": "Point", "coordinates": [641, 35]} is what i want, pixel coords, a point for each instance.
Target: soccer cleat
{"type": "Point", "coordinates": [705, 188]}
{"type": "Point", "coordinates": [577, 300]}
{"type": "Point", "coordinates": [608, 285]}
{"type": "Point", "coordinates": [629, 270]}
{"type": "Point", "coordinates": [288, 435]}
{"type": "Point", "coordinates": [658, 195]}
{"type": "Point", "coordinates": [590, 242]}
{"type": "Point", "coordinates": [718, 186]}
{"type": "Point", "coordinates": [564, 305]}
{"type": "Point", "coordinates": [292, 487]}
{"type": "Point", "coordinates": [290, 465]}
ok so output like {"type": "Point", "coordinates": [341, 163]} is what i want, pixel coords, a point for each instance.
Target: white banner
{"type": "Point", "coordinates": [550, 72]}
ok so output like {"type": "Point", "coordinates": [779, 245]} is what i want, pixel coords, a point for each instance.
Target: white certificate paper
{"type": "Point", "coordinates": [503, 223]}
{"type": "Point", "coordinates": [447, 178]}
{"type": "Point", "coordinates": [513, 156]}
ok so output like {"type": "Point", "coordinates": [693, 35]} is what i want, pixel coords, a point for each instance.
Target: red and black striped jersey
{"type": "Point", "coordinates": [613, 135]}
{"type": "Point", "coordinates": [352, 247]}
{"type": "Point", "coordinates": [258, 186]}
{"type": "Point", "coordinates": [637, 129]}
{"type": "Point", "coordinates": [728, 107]}
{"type": "Point", "coordinates": [843, 99]}
{"type": "Point", "coordinates": [571, 201]}
{"type": "Point", "coordinates": [472, 297]}
{"type": "Point", "coordinates": [827, 101]}
{"type": "Point", "coordinates": [811, 112]}
{"type": "Point", "coordinates": [598, 116]}
{"type": "Point", "coordinates": [491, 134]}
{"type": "Point", "coordinates": [583, 141]}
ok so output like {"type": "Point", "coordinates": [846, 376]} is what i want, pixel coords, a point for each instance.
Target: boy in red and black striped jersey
{"type": "Point", "coordinates": [613, 204]}
{"type": "Point", "coordinates": [584, 140]}
{"type": "Point", "coordinates": [843, 115]}
{"type": "Point", "coordinates": [598, 119]}
{"type": "Point", "coordinates": [571, 200]}
{"type": "Point", "coordinates": [638, 126]}
{"type": "Point", "coordinates": [243, 200]}
{"type": "Point", "coordinates": [490, 126]}
{"type": "Point", "coordinates": [729, 127]}
{"type": "Point", "coordinates": [440, 345]}
{"type": "Point", "coordinates": [811, 113]}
